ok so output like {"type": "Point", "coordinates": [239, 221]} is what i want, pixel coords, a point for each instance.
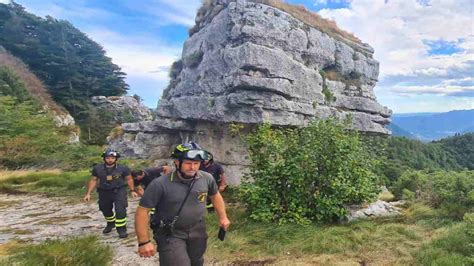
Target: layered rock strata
{"type": "Point", "coordinates": [249, 63]}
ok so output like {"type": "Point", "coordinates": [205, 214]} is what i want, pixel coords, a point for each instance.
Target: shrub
{"type": "Point", "coordinates": [306, 174]}
{"type": "Point", "coordinates": [328, 96]}
{"type": "Point", "coordinates": [448, 191]}
{"type": "Point", "coordinates": [386, 196]}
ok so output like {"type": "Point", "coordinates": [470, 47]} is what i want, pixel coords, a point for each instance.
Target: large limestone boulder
{"type": "Point", "coordinates": [249, 63]}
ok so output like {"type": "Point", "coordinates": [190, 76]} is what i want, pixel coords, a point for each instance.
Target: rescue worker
{"type": "Point", "coordinates": [180, 201]}
{"type": "Point", "coordinates": [111, 180]}
{"type": "Point", "coordinates": [142, 178]}
{"type": "Point", "coordinates": [217, 171]}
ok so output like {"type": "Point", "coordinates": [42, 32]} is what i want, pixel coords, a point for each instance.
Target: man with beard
{"type": "Point", "coordinates": [111, 180]}
{"type": "Point", "coordinates": [180, 202]}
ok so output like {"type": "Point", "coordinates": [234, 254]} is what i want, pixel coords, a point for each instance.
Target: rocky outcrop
{"type": "Point", "coordinates": [253, 63]}
{"type": "Point", "coordinates": [249, 63]}
{"type": "Point", "coordinates": [376, 209]}
{"type": "Point", "coordinates": [123, 108]}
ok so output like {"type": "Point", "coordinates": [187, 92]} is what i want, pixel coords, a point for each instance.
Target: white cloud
{"type": "Point", "coordinates": [5, 1]}
{"type": "Point", "coordinates": [72, 10]}
{"type": "Point", "coordinates": [145, 60]}
{"type": "Point", "coordinates": [140, 55]}
{"type": "Point", "coordinates": [438, 89]}
{"type": "Point", "coordinates": [398, 31]}
{"type": "Point", "coordinates": [325, 2]}
{"type": "Point", "coordinates": [165, 12]}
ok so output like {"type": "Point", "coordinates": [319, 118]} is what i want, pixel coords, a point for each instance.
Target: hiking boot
{"type": "Point", "coordinates": [122, 231]}
{"type": "Point", "coordinates": [108, 228]}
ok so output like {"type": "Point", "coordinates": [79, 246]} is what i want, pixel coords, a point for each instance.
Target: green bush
{"type": "Point", "coordinates": [449, 191]}
{"type": "Point", "coordinates": [306, 174]}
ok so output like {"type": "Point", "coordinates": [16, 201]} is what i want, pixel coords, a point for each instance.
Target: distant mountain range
{"type": "Point", "coordinates": [432, 126]}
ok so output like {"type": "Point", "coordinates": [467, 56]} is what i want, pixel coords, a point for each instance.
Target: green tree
{"type": "Point", "coordinates": [10, 85]}
{"type": "Point", "coordinates": [461, 147]}
{"type": "Point", "coordinates": [72, 66]}
{"type": "Point", "coordinates": [451, 192]}
{"type": "Point", "coordinates": [306, 174]}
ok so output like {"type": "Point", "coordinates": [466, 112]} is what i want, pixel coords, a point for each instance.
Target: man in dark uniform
{"type": "Point", "coordinates": [180, 201]}
{"type": "Point", "coordinates": [217, 171]}
{"type": "Point", "coordinates": [111, 180]}
{"type": "Point", "coordinates": [142, 178]}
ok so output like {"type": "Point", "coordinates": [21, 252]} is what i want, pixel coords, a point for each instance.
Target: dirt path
{"type": "Point", "coordinates": [36, 218]}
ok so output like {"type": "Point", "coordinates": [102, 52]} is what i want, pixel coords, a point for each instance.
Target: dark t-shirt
{"type": "Point", "coordinates": [215, 170]}
{"type": "Point", "coordinates": [110, 177]}
{"type": "Point", "coordinates": [150, 174]}
{"type": "Point", "coordinates": [167, 192]}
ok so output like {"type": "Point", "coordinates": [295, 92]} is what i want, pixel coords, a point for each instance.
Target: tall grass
{"type": "Point", "coordinates": [21, 173]}
{"type": "Point", "coordinates": [52, 183]}
{"type": "Point", "coordinates": [454, 247]}
{"type": "Point", "coordinates": [73, 251]}
{"type": "Point", "coordinates": [383, 241]}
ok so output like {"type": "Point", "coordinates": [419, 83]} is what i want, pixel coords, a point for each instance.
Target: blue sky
{"type": "Point", "coordinates": [425, 47]}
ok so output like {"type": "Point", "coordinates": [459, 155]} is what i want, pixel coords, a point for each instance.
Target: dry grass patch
{"type": "Point", "coordinates": [34, 85]}
{"type": "Point", "coordinates": [23, 232]}
{"type": "Point", "coordinates": [299, 12]}
{"type": "Point", "coordinates": [62, 219]}
{"type": "Point", "coordinates": [6, 174]}
{"type": "Point", "coordinates": [6, 247]}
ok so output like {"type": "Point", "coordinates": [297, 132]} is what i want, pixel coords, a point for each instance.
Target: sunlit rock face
{"type": "Point", "coordinates": [250, 63]}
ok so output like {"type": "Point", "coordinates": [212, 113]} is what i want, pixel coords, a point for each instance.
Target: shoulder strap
{"type": "Point", "coordinates": [185, 198]}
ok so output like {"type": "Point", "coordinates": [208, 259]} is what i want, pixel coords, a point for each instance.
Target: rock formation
{"type": "Point", "coordinates": [123, 108]}
{"type": "Point", "coordinates": [250, 62]}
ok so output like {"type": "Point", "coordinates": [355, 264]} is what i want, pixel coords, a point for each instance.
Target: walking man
{"type": "Point", "coordinates": [111, 180]}
{"type": "Point", "coordinates": [180, 202]}
{"type": "Point", "coordinates": [217, 171]}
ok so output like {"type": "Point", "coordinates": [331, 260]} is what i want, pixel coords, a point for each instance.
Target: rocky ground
{"type": "Point", "coordinates": [37, 218]}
